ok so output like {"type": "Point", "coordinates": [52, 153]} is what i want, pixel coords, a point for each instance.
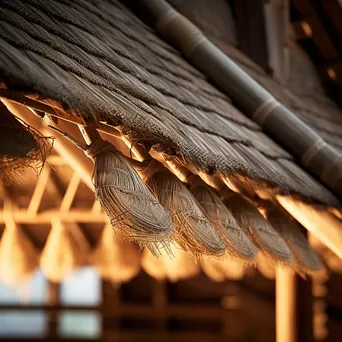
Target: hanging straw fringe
{"type": "Point", "coordinates": [193, 231]}
{"type": "Point", "coordinates": [19, 258]}
{"type": "Point", "coordinates": [266, 267]}
{"type": "Point", "coordinates": [65, 249]}
{"type": "Point", "coordinates": [224, 268]}
{"type": "Point", "coordinates": [254, 224]}
{"type": "Point", "coordinates": [237, 243]}
{"type": "Point", "coordinates": [306, 259]}
{"type": "Point", "coordinates": [20, 147]}
{"type": "Point", "coordinates": [115, 260]}
{"type": "Point", "coordinates": [129, 204]}
{"type": "Point", "coordinates": [176, 267]}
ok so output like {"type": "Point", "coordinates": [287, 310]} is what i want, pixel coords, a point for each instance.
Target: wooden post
{"type": "Point", "coordinates": [160, 301]}
{"type": "Point", "coordinates": [53, 300]}
{"type": "Point", "coordinates": [294, 317]}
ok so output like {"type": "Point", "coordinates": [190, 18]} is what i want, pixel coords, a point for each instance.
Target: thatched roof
{"type": "Point", "coordinates": [96, 61]}
{"type": "Point", "coordinates": [119, 71]}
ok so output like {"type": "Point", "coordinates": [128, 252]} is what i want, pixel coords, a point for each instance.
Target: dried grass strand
{"type": "Point", "coordinates": [21, 147]}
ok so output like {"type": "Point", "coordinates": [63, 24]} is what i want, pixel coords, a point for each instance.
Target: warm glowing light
{"type": "Point", "coordinates": [331, 73]}
{"type": "Point", "coordinates": [306, 28]}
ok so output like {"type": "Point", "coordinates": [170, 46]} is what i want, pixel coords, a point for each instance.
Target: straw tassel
{"type": "Point", "coordinates": [19, 258]}
{"type": "Point", "coordinates": [266, 267]}
{"type": "Point", "coordinates": [254, 224]}
{"type": "Point", "coordinates": [66, 248]}
{"type": "Point", "coordinates": [115, 260]}
{"type": "Point", "coordinates": [224, 268]}
{"type": "Point", "coordinates": [306, 259]}
{"type": "Point", "coordinates": [173, 267]}
{"type": "Point", "coordinates": [132, 209]}
{"type": "Point", "coordinates": [237, 243]}
{"type": "Point", "coordinates": [193, 231]}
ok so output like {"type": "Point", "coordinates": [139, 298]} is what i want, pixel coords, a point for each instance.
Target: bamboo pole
{"type": "Point", "coordinates": [298, 138]}
{"type": "Point", "coordinates": [294, 317]}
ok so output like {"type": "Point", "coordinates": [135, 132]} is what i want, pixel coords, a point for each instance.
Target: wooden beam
{"type": "Point", "coordinates": [72, 155]}
{"type": "Point", "coordinates": [200, 311]}
{"type": "Point", "coordinates": [294, 320]}
{"type": "Point", "coordinates": [70, 192]}
{"type": "Point", "coordinates": [320, 222]}
{"type": "Point", "coordinates": [39, 191]}
{"type": "Point", "coordinates": [21, 216]}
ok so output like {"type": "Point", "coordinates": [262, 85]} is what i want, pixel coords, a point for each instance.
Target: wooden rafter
{"type": "Point", "coordinates": [70, 193]}
{"type": "Point", "coordinates": [39, 191]}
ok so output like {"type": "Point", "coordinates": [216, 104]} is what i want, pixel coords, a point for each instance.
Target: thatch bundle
{"type": "Point", "coordinates": [256, 226]}
{"type": "Point", "coordinates": [306, 259]}
{"type": "Point", "coordinates": [237, 243]}
{"type": "Point", "coordinates": [132, 209]}
{"type": "Point", "coordinates": [115, 260]}
{"type": "Point", "coordinates": [223, 268]}
{"type": "Point", "coordinates": [192, 229]}
{"type": "Point", "coordinates": [179, 265]}
{"type": "Point", "coordinates": [19, 258]}
{"type": "Point", "coordinates": [65, 249]}
{"type": "Point", "coordinates": [20, 146]}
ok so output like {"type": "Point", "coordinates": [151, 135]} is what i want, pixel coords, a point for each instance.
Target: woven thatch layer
{"type": "Point", "coordinates": [98, 59]}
